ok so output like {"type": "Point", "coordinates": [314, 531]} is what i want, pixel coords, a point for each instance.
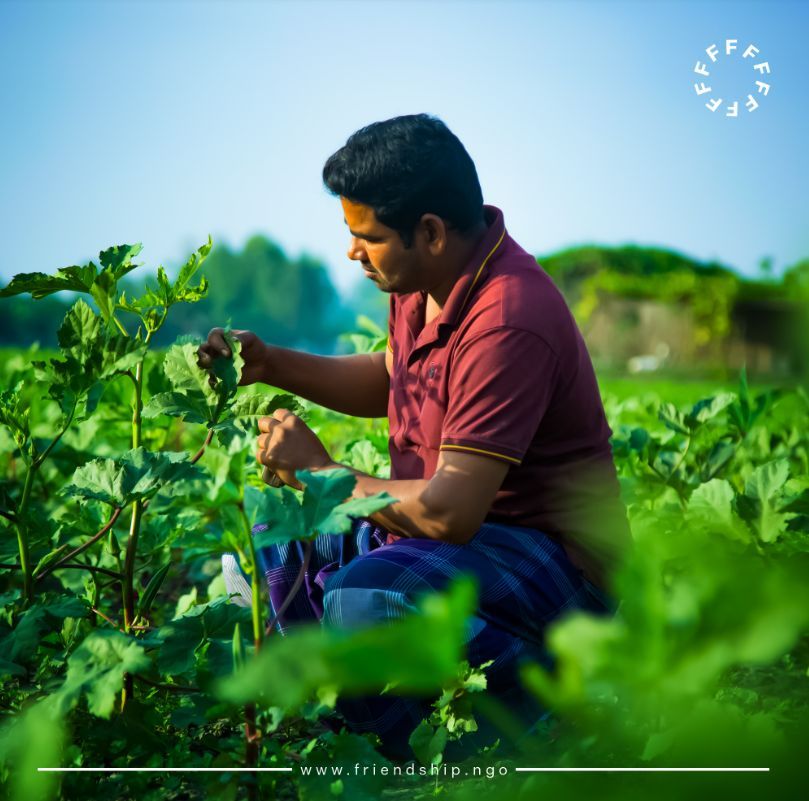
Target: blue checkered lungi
{"type": "Point", "coordinates": [524, 579]}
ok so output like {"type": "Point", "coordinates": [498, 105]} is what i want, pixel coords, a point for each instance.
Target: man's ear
{"type": "Point", "coordinates": [434, 233]}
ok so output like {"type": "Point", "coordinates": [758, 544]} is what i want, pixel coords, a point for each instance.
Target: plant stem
{"type": "Point", "coordinates": [251, 734]}
{"type": "Point", "coordinates": [175, 688]}
{"type": "Point", "coordinates": [83, 547]}
{"type": "Point", "coordinates": [682, 458]}
{"type": "Point", "coordinates": [75, 566]}
{"type": "Point", "coordinates": [129, 565]}
{"type": "Point", "coordinates": [44, 455]}
{"type": "Point", "coordinates": [120, 326]}
{"type": "Point", "coordinates": [22, 531]}
{"type": "Point", "coordinates": [128, 586]}
{"type": "Point", "coordinates": [22, 538]}
{"type": "Point", "coordinates": [109, 620]}
{"type": "Point", "coordinates": [199, 454]}
{"type": "Point", "coordinates": [137, 507]}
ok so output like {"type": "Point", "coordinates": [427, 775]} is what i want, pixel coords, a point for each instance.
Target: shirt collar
{"type": "Point", "coordinates": [469, 279]}
{"type": "Point", "coordinates": [475, 270]}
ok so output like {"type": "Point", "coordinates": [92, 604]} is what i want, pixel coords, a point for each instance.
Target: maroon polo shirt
{"type": "Point", "coordinates": [503, 372]}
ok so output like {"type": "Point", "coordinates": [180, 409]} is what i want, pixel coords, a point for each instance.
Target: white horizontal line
{"type": "Point", "coordinates": [646, 770]}
{"type": "Point", "coordinates": [160, 770]}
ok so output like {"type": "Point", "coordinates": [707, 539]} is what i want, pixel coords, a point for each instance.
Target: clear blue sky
{"type": "Point", "coordinates": [161, 122]}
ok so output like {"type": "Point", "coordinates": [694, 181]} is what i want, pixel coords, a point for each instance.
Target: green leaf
{"type": "Point", "coordinates": [327, 507]}
{"type": "Point", "coordinates": [364, 457]}
{"type": "Point", "coordinates": [229, 371]}
{"type": "Point", "coordinates": [262, 405]}
{"type": "Point", "coordinates": [180, 367]}
{"type": "Point", "coordinates": [103, 293]}
{"type": "Point", "coordinates": [181, 639]}
{"type": "Point", "coordinates": [711, 505]}
{"type": "Point", "coordinates": [760, 502]}
{"type": "Point", "coordinates": [673, 418]}
{"type": "Point", "coordinates": [118, 259]}
{"type": "Point", "coordinates": [339, 520]}
{"type": "Point", "coordinates": [39, 285]}
{"type": "Point", "coordinates": [90, 354]}
{"type": "Point", "coordinates": [20, 644]}
{"type": "Point", "coordinates": [80, 329]}
{"type": "Point", "coordinates": [280, 510]}
{"type": "Point", "coordinates": [721, 453]}
{"type": "Point", "coordinates": [191, 406]}
{"type": "Point", "coordinates": [14, 415]}
{"type": "Point", "coordinates": [767, 480]}
{"type": "Point", "coordinates": [416, 654]}
{"type": "Point", "coordinates": [324, 491]}
{"type": "Point", "coordinates": [35, 737]}
{"type": "Point", "coordinates": [137, 475]}
{"type": "Point", "coordinates": [708, 408]}
{"type": "Point", "coordinates": [181, 291]}
{"type": "Point", "coordinates": [97, 667]}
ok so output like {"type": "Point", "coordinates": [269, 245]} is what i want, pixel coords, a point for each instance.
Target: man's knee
{"type": "Point", "coordinates": [359, 595]}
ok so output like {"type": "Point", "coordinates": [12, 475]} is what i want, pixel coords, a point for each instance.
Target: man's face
{"type": "Point", "coordinates": [380, 251]}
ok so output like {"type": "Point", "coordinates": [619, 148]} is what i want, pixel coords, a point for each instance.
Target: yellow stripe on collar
{"type": "Point", "coordinates": [480, 270]}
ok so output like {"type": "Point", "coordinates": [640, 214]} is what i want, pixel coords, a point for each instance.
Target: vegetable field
{"type": "Point", "coordinates": [125, 474]}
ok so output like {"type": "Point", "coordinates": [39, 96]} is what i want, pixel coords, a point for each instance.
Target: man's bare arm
{"type": "Point", "coordinates": [451, 506]}
{"type": "Point", "coordinates": [356, 385]}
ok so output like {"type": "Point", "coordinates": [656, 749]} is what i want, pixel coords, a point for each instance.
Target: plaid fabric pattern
{"type": "Point", "coordinates": [525, 580]}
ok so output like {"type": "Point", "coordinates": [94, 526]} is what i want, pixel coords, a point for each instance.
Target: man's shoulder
{"type": "Point", "coordinates": [517, 293]}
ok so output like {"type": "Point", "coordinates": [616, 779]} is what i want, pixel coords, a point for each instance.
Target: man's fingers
{"type": "Point", "coordinates": [216, 344]}
{"type": "Point", "coordinates": [281, 414]}
{"type": "Point", "coordinates": [214, 347]}
{"type": "Point", "coordinates": [265, 424]}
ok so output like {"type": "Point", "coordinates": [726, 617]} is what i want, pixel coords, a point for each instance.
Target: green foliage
{"type": "Point", "coordinates": [326, 507]}
{"type": "Point", "coordinates": [96, 669]}
{"type": "Point", "coordinates": [287, 301]}
{"type": "Point", "coordinates": [204, 635]}
{"type": "Point", "coordinates": [137, 475]}
{"type": "Point", "coordinates": [120, 649]}
{"type": "Point", "coordinates": [415, 655]}
{"type": "Point", "coordinates": [373, 338]}
{"type": "Point", "coordinates": [116, 262]}
{"type": "Point", "coordinates": [34, 739]}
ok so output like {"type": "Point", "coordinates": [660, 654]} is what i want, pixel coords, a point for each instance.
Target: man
{"type": "Point", "coordinates": [500, 456]}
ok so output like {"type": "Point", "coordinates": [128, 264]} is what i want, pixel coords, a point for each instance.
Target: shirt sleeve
{"type": "Point", "coordinates": [500, 385]}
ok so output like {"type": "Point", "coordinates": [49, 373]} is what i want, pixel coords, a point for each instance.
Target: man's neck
{"type": "Point", "coordinates": [437, 296]}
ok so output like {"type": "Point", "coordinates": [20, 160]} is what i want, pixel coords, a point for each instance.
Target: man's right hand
{"type": "Point", "coordinates": [254, 352]}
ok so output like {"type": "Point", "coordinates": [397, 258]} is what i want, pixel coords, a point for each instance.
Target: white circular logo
{"type": "Point", "coordinates": [731, 105]}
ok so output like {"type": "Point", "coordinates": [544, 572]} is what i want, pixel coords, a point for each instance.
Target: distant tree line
{"type": "Point", "coordinates": [289, 302]}
{"type": "Point", "coordinates": [292, 301]}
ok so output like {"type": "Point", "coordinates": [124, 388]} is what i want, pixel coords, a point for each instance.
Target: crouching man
{"type": "Point", "coordinates": [499, 445]}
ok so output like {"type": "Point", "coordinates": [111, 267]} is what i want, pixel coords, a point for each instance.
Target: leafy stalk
{"type": "Point", "coordinates": [251, 733]}
{"type": "Point", "coordinates": [83, 547]}
{"type": "Point", "coordinates": [22, 538]}
{"type": "Point", "coordinates": [137, 506]}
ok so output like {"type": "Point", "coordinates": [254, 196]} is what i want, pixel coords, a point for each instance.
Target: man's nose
{"type": "Point", "coordinates": [355, 250]}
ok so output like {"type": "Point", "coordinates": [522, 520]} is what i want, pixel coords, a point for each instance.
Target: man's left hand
{"type": "Point", "coordinates": [287, 444]}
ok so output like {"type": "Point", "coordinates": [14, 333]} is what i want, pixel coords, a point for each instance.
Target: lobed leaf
{"type": "Point", "coordinates": [137, 475]}
{"type": "Point", "coordinates": [97, 667]}
{"type": "Point", "coordinates": [416, 654]}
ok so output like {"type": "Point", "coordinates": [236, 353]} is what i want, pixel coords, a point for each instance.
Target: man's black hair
{"type": "Point", "coordinates": [405, 167]}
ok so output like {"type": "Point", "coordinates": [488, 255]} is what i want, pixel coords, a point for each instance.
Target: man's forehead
{"type": "Point", "coordinates": [358, 216]}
